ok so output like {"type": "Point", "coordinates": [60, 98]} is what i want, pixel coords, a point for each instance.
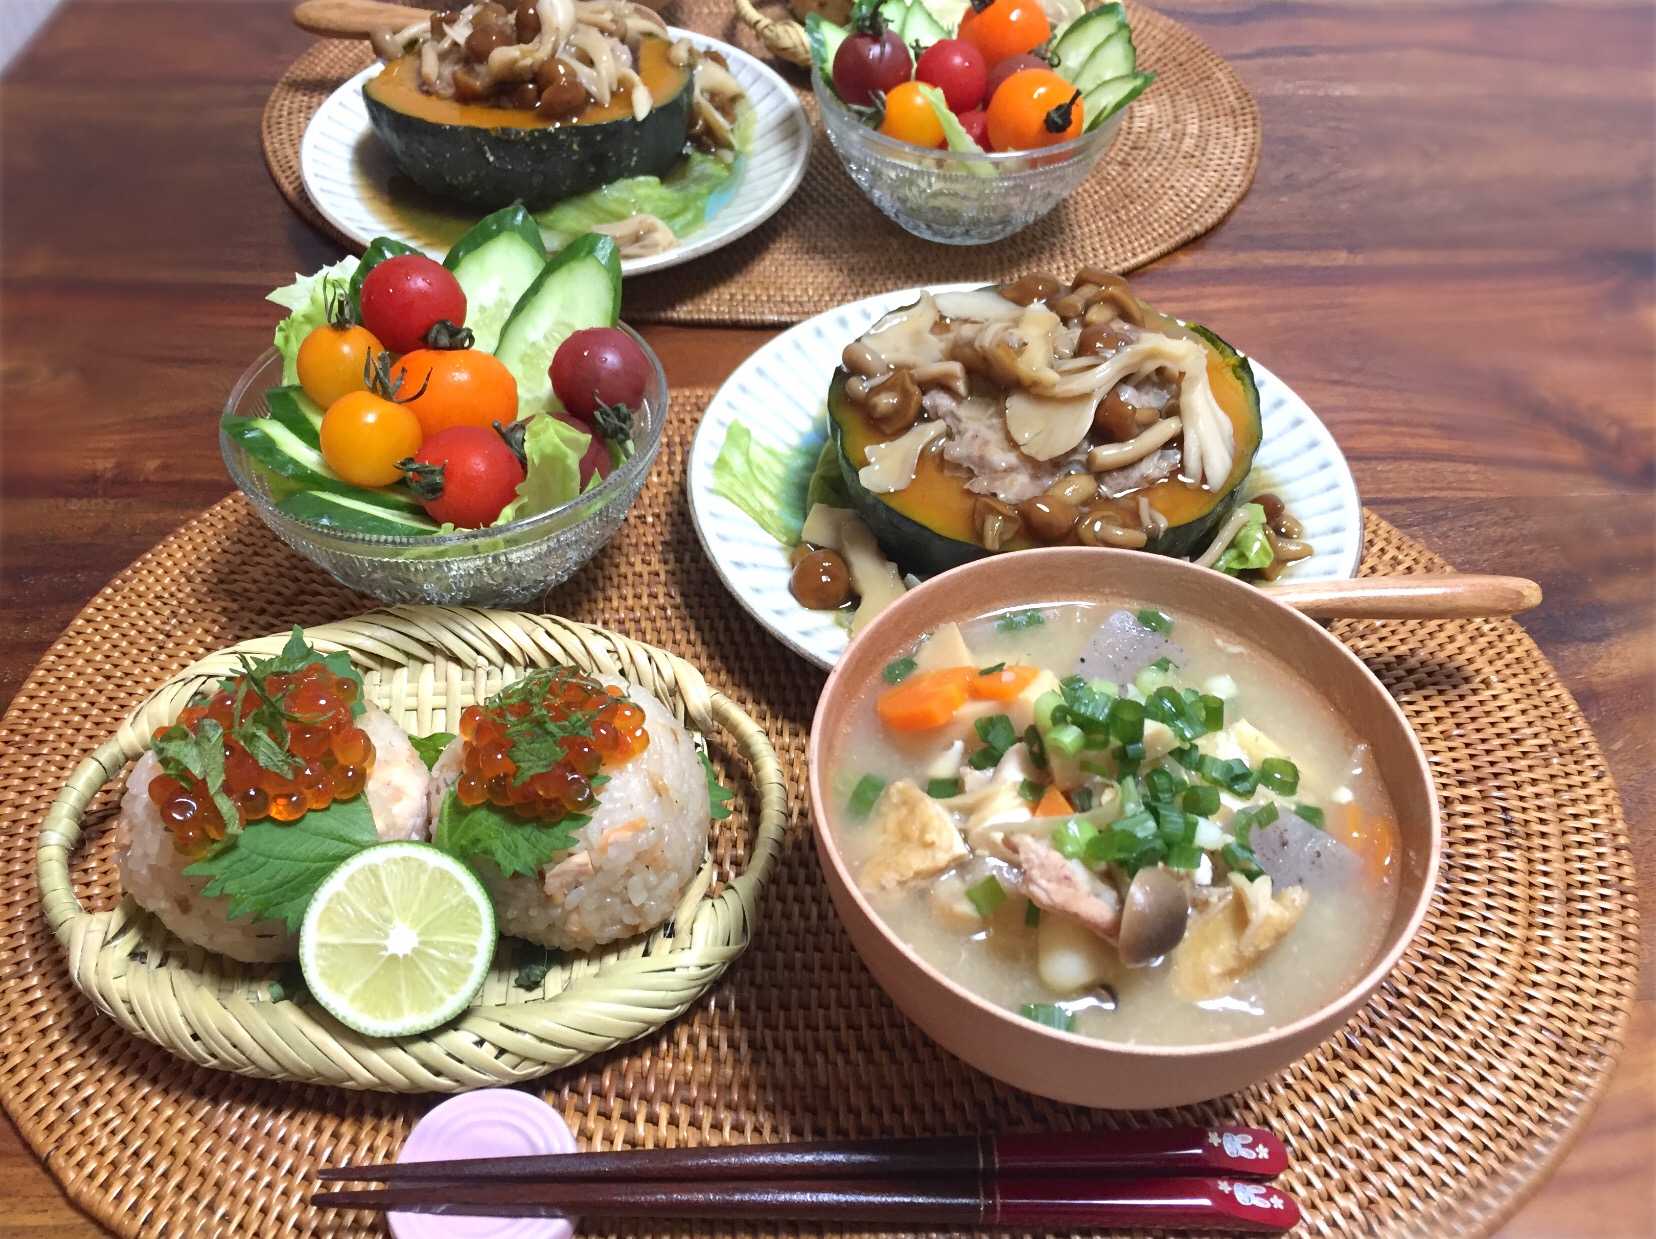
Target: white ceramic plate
{"type": "Point", "coordinates": [352, 181]}
{"type": "Point", "coordinates": [779, 393]}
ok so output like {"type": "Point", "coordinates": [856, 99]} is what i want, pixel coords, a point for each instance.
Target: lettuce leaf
{"type": "Point", "coordinates": [827, 483]}
{"type": "Point", "coordinates": [307, 298]}
{"type": "Point", "coordinates": [552, 451]}
{"type": "Point", "coordinates": [1249, 548]}
{"type": "Point", "coordinates": [769, 484]}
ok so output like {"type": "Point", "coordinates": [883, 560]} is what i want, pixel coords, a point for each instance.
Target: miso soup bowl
{"type": "Point", "coordinates": [1066, 1066]}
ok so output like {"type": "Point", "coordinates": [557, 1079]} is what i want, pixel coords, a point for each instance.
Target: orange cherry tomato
{"type": "Point", "coordinates": [909, 118]}
{"type": "Point", "coordinates": [332, 361]}
{"type": "Point", "coordinates": [1034, 108]}
{"type": "Point", "coordinates": [463, 387]}
{"type": "Point", "coordinates": [364, 435]}
{"type": "Point", "coordinates": [1004, 28]}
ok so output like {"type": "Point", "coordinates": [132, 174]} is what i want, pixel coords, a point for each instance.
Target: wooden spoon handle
{"type": "Point", "coordinates": [1428, 595]}
{"type": "Point", "coordinates": [354, 19]}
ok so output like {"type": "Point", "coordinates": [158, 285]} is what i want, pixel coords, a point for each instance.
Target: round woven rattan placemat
{"type": "Point", "coordinates": [1184, 156]}
{"type": "Point", "coordinates": [1434, 1113]}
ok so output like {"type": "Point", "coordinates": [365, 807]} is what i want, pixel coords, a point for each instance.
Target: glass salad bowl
{"type": "Point", "coordinates": [499, 566]}
{"type": "Point", "coordinates": [959, 198]}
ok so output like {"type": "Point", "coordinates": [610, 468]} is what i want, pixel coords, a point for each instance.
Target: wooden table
{"type": "Point", "coordinates": [1448, 253]}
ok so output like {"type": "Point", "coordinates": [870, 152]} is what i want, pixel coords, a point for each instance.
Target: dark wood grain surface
{"type": "Point", "coordinates": [1448, 252]}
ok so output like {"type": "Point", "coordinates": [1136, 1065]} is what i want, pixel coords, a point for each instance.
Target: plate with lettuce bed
{"type": "Point", "coordinates": [768, 474]}
{"type": "Point", "coordinates": [705, 202]}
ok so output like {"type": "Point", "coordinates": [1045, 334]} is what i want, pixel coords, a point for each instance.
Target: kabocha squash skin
{"type": "Point", "coordinates": [926, 542]}
{"type": "Point", "coordinates": [520, 160]}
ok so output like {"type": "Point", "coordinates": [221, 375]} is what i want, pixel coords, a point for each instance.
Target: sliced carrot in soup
{"type": "Point", "coordinates": [925, 700]}
{"type": "Point", "coordinates": [1002, 685]}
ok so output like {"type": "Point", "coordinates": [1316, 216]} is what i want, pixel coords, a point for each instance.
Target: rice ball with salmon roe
{"type": "Point", "coordinates": [152, 867]}
{"type": "Point", "coordinates": [630, 864]}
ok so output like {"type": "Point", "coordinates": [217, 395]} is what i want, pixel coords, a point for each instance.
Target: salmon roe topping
{"type": "Point", "coordinates": [539, 747]}
{"type": "Point", "coordinates": [330, 756]}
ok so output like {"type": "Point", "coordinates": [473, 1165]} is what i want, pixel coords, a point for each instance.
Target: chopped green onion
{"type": "Point", "coordinates": [1211, 710]}
{"type": "Point", "coordinates": [1048, 1014]}
{"type": "Point", "coordinates": [1190, 757]}
{"type": "Point", "coordinates": [864, 795]}
{"type": "Point", "coordinates": [1202, 801]}
{"type": "Point", "coordinates": [1233, 775]}
{"type": "Point", "coordinates": [987, 896]}
{"type": "Point", "coordinates": [1032, 914]}
{"type": "Point", "coordinates": [1164, 663]}
{"type": "Point", "coordinates": [1065, 739]}
{"type": "Point", "coordinates": [942, 789]}
{"type": "Point", "coordinates": [1036, 746]}
{"type": "Point", "coordinates": [1251, 819]}
{"type": "Point", "coordinates": [1082, 799]}
{"type": "Point", "coordinates": [1241, 859]}
{"type": "Point", "coordinates": [897, 672]}
{"type": "Point", "coordinates": [1095, 768]}
{"type": "Point", "coordinates": [1279, 775]}
{"type": "Point", "coordinates": [1310, 813]}
{"type": "Point", "coordinates": [1017, 621]}
{"type": "Point", "coordinates": [1088, 707]}
{"type": "Point", "coordinates": [1126, 721]}
{"type": "Point", "coordinates": [1155, 621]}
{"type": "Point", "coordinates": [1000, 666]}
{"type": "Point", "coordinates": [1131, 801]}
{"type": "Point", "coordinates": [1163, 784]}
{"type": "Point", "coordinates": [997, 735]}
{"type": "Point", "coordinates": [1070, 839]}
{"type": "Point", "coordinates": [1139, 824]}
{"type": "Point", "coordinates": [1031, 791]}
{"type": "Point", "coordinates": [1184, 856]}
{"type": "Point", "coordinates": [1046, 707]}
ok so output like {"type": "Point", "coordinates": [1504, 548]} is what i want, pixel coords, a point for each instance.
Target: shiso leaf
{"type": "Point", "coordinates": [537, 962]}
{"type": "Point", "coordinates": [515, 845]}
{"type": "Point", "coordinates": [271, 870]}
{"type": "Point", "coordinates": [431, 747]}
{"type": "Point", "coordinates": [718, 795]}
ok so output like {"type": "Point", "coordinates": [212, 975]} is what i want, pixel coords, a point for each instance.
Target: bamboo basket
{"type": "Point", "coordinates": [423, 665]}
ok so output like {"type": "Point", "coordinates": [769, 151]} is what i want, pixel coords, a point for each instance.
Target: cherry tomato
{"type": "Point", "coordinates": [463, 387]}
{"type": "Point", "coordinates": [601, 365]}
{"type": "Point", "coordinates": [1005, 28]}
{"type": "Point", "coordinates": [909, 118]}
{"type": "Point", "coordinates": [465, 475]}
{"type": "Point", "coordinates": [1007, 68]}
{"type": "Point", "coordinates": [405, 296]}
{"type": "Point", "coordinates": [1034, 108]}
{"type": "Point", "coordinates": [872, 61]}
{"type": "Point", "coordinates": [364, 435]}
{"type": "Point", "coordinates": [596, 461]}
{"type": "Point", "coordinates": [976, 125]}
{"type": "Point", "coordinates": [333, 360]}
{"type": "Point", "coordinates": [956, 68]}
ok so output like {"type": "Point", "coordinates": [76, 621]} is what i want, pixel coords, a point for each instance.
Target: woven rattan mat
{"type": "Point", "coordinates": [1184, 156]}
{"type": "Point", "coordinates": [1434, 1113]}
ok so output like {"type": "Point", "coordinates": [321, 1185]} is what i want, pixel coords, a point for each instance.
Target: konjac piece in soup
{"type": "Point", "coordinates": [1116, 822]}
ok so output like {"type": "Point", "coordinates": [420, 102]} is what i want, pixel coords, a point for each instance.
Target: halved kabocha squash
{"type": "Point", "coordinates": [490, 157]}
{"type": "Point", "coordinates": [929, 525]}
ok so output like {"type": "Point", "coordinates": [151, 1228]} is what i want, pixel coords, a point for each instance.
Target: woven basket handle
{"type": "Point", "coordinates": [785, 38]}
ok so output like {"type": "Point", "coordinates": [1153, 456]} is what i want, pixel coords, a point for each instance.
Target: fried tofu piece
{"type": "Point", "coordinates": [917, 838]}
{"type": "Point", "coordinates": [1228, 942]}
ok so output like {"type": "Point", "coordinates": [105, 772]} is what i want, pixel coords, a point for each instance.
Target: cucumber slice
{"type": "Point", "coordinates": [1111, 95]}
{"type": "Point", "coordinates": [913, 23]}
{"type": "Point", "coordinates": [354, 514]}
{"type": "Point", "coordinates": [1115, 57]}
{"type": "Point", "coordinates": [579, 288]}
{"type": "Point", "coordinates": [825, 39]}
{"type": "Point", "coordinates": [1078, 40]}
{"type": "Point", "coordinates": [379, 249]}
{"type": "Point", "coordinates": [279, 450]}
{"type": "Point", "coordinates": [495, 263]}
{"type": "Point", "coordinates": [290, 407]}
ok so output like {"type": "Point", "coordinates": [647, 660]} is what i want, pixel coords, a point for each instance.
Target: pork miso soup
{"type": "Point", "coordinates": [1118, 823]}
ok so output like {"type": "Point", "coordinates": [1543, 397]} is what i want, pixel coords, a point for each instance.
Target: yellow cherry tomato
{"type": "Point", "coordinates": [332, 361]}
{"type": "Point", "coordinates": [909, 118]}
{"type": "Point", "coordinates": [1034, 108]}
{"type": "Point", "coordinates": [364, 436]}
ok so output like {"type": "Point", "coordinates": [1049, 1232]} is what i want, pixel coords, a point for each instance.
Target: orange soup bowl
{"type": "Point", "coordinates": [1062, 1065]}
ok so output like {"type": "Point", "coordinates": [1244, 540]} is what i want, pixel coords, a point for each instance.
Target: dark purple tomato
{"type": "Point", "coordinates": [601, 365]}
{"type": "Point", "coordinates": [956, 68]}
{"type": "Point", "coordinates": [976, 124]}
{"type": "Point", "coordinates": [596, 461]}
{"type": "Point", "coordinates": [1009, 66]}
{"type": "Point", "coordinates": [871, 64]}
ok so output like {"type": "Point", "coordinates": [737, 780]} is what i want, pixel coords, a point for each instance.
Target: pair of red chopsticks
{"type": "Point", "coordinates": [1207, 1178]}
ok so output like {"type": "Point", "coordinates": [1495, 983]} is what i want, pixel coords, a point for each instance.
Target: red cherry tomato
{"type": "Point", "coordinates": [976, 125]}
{"type": "Point", "coordinates": [956, 68]}
{"type": "Point", "coordinates": [596, 461]}
{"type": "Point", "coordinates": [1005, 28]}
{"type": "Point", "coordinates": [1007, 68]}
{"type": "Point", "coordinates": [601, 365]}
{"type": "Point", "coordinates": [1034, 108]}
{"type": "Point", "coordinates": [909, 117]}
{"type": "Point", "coordinates": [870, 63]}
{"type": "Point", "coordinates": [465, 475]}
{"type": "Point", "coordinates": [405, 296]}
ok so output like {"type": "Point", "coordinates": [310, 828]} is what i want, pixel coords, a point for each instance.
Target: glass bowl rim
{"type": "Point", "coordinates": [605, 493]}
